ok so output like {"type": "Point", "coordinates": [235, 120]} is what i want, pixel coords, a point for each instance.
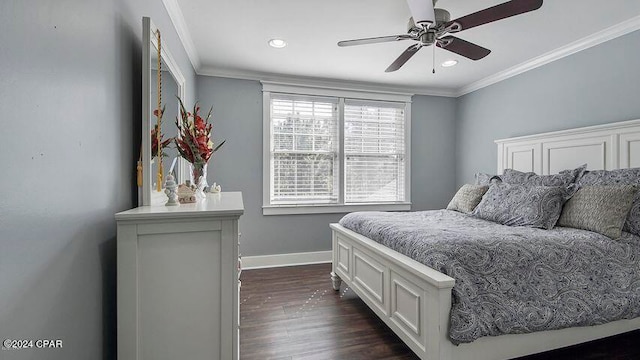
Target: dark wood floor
{"type": "Point", "coordinates": [293, 313]}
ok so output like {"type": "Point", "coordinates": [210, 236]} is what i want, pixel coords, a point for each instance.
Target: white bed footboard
{"type": "Point", "coordinates": [415, 301]}
{"type": "Point", "coordinates": [411, 298]}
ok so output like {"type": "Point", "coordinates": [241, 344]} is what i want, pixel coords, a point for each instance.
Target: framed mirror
{"type": "Point", "coordinates": [162, 83]}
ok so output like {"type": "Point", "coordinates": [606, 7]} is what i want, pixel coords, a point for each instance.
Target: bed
{"type": "Point", "coordinates": [415, 300]}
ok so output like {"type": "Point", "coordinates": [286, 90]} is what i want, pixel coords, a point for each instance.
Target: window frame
{"type": "Point", "coordinates": [341, 94]}
{"type": "Point", "coordinates": [291, 97]}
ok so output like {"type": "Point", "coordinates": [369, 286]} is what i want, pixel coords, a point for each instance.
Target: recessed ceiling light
{"type": "Point", "coordinates": [277, 43]}
{"type": "Point", "coordinates": [449, 63]}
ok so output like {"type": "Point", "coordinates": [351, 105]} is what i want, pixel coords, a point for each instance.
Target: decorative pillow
{"type": "Point", "coordinates": [618, 177]}
{"type": "Point", "coordinates": [601, 209]}
{"type": "Point", "coordinates": [564, 178]}
{"type": "Point", "coordinates": [522, 205]}
{"type": "Point", "coordinates": [467, 198]}
{"type": "Point", "coordinates": [485, 179]}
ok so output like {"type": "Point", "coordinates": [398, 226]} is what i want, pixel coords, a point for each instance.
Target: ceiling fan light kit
{"type": "Point", "coordinates": [277, 43]}
{"type": "Point", "coordinates": [449, 63]}
{"type": "Point", "coordinates": [422, 12]}
{"type": "Point", "coordinates": [428, 26]}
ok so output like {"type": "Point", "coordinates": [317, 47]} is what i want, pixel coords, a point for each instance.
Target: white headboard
{"type": "Point", "coordinates": [609, 146]}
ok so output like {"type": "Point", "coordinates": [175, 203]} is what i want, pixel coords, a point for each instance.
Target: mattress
{"type": "Point", "coordinates": [512, 280]}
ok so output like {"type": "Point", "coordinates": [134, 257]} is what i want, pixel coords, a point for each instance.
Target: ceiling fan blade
{"type": "Point", "coordinates": [404, 57]}
{"type": "Point", "coordinates": [462, 47]}
{"type": "Point", "coordinates": [422, 12]}
{"type": "Point", "coordinates": [495, 13]}
{"type": "Point", "coordinates": [374, 40]}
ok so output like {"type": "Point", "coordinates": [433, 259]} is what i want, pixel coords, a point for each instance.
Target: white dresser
{"type": "Point", "coordinates": [178, 280]}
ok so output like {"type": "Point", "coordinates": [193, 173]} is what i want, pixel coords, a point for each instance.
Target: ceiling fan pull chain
{"type": "Point", "coordinates": [434, 58]}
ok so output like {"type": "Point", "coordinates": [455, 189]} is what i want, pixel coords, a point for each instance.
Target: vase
{"type": "Point", "coordinates": [199, 180]}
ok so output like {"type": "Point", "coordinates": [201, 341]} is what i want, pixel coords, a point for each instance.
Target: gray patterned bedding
{"type": "Point", "coordinates": [515, 279]}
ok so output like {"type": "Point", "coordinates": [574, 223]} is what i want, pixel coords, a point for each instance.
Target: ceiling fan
{"type": "Point", "coordinates": [428, 26]}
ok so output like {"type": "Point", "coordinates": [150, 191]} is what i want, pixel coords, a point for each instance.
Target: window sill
{"type": "Point", "coordinates": [332, 209]}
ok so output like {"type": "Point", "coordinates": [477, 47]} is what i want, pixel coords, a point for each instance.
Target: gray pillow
{"type": "Point", "coordinates": [522, 205]}
{"type": "Point", "coordinates": [485, 179]}
{"type": "Point", "coordinates": [618, 177]}
{"type": "Point", "coordinates": [601, 209]}
{"type": "Point", "coordinates": [564, 178]}
{"type": "Point", "coordinates": [467, 198]}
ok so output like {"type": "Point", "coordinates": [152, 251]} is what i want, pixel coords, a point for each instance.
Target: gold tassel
{"type": "Point", "coordinates": [159, 175]}
{"type": "Point", "coordinates": [139, 173]}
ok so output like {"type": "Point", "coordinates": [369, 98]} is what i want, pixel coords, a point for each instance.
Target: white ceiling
{"type": "Point", "coordinates": [229, 38]}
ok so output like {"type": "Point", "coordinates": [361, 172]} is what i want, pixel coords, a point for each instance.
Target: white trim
{"type": "Point", "coordinates": [324, 82]}
{"type": "Point", "coordinates": [145, 147]}
{"type": "Point", "coordinates": [266, 147]}
{"type": "Point", "coordinates": [280, 260]}
{"type": "Point", "coordinates": [342, 164]}
{"type": "Point", "coordinates": [177, 18]}
{"type": "Point", "coordinates": [576, 131]}
{"type": "Point", "coordinates": [332, 209]}
{"type": "Point", "coordinates": [607, 34]}
{"type": "Point", "coordinates": [407, 152]}
{"type": "Point", "coordinates": [343, 92]}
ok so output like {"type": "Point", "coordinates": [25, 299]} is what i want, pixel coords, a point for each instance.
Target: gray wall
{"type": "Point", "coordinates": [595, 86]}
{"type": "Point", "coordinates": [70, 107]}
{"type": "Point", "coordinates": [237, 113]}
{"type": "Point", "coordinates": [432, 152]}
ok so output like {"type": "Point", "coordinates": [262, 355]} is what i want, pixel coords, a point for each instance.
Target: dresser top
{"type": "Point", "coordinates": [220, 204]}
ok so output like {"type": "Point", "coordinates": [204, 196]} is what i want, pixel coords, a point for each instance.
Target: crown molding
{"type": "Point", "coordinates": [177, 18]}
{"type": "Point", "coordinates": [323, 82]}
{"type": "Point", "coordinates": [607, 34]}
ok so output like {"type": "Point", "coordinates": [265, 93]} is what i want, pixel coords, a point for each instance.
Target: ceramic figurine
{"type": "Point", "coordinates": [215, 188]}
{"type": "Point", "coordinates": [170, 190]}
{"type": "Point", "coordinates": [186, 194]}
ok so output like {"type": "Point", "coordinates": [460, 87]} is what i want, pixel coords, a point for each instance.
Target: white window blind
{"type": "Point", "coordinates": [374, 151]}
{"type": "Point", "coordinates": [304, 149]}
{"type": "Point", "coordinates": [334, 150]}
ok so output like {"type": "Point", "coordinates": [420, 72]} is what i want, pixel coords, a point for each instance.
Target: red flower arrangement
{"type": "Point", "coordinates": [194, 141]}
{"type": "Point", "coordinates": [154, 135]}
{"type": "Point", "coordinates": [154, 141]}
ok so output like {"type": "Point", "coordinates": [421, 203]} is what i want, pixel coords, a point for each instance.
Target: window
{"type": "Point", "coordinates": [374, 152]}
{"type": "Point", "coordinates": [304, 150]}
{"type": "Point", "coordinates": [334, 151]}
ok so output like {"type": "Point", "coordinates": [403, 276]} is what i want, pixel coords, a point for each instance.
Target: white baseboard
{"type": "Point", "coordinates": [280, 260]}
